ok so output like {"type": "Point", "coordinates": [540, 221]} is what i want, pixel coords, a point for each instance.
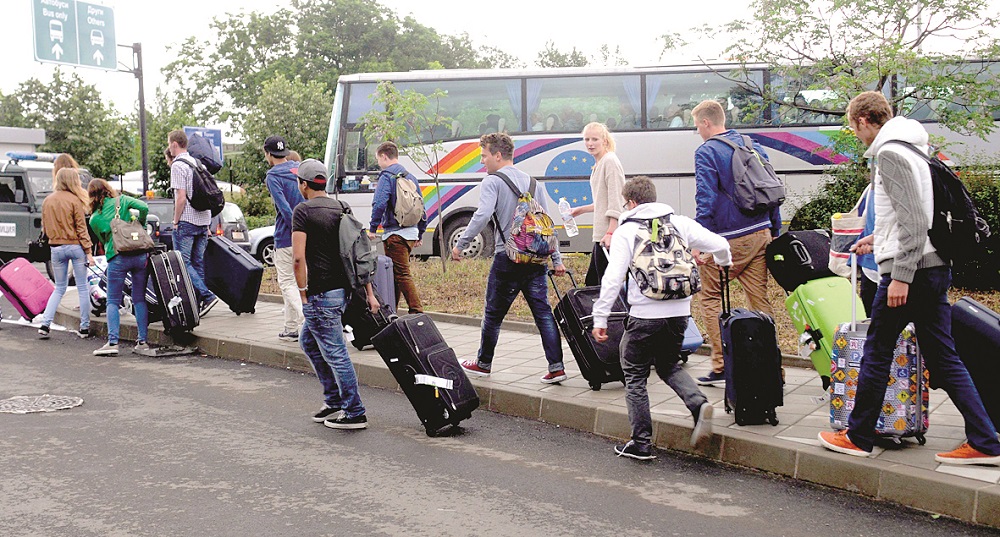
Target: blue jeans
{"type": "Point", "coordinates": [655, 342]}
{"type": "Point", "coordinates": [322, 339]}
{"type": "Point", "coordinates": [506, 280]}
{"type": "Point", "coordinates": [190, 240]}
{"type": "Point", "coordinates": [62, 256]}
{"type": "Point", "coordinates": [928, 308]}
{"type": "Point", "coordinates": [118, 267]}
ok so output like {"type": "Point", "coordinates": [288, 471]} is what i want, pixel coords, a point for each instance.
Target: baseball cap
{"type": "Point", "coordinates": [313, 171]}
{"type": "Point", "coordinates": [276, 146]}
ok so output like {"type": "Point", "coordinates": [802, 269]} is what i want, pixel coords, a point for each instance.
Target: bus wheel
{"type": "Point", "coordinates": [481, 246]}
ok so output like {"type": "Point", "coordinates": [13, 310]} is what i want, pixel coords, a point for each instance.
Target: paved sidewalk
{"type": "Point", "coordinates": [907, 475]}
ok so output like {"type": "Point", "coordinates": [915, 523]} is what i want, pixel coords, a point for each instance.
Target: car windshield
{"type": "Point", "coordinates": [231, 213]}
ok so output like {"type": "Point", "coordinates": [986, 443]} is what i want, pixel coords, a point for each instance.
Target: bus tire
{"type": "Point", "coordinates": [482, 245]}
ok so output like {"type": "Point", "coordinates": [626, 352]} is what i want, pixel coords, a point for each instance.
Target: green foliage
{"type": "Point", "coordinates": [317, 40]}
{"type": "Point", "coordinates": [553, 57]}
{"type": "Point", "coordinates": [295, 110]}
{"type": "Point", "coordinates": [839, 48]}
{"type": "Point", "coordinates": [410, 119]}
{"type": "Point", "coordinates": [76, 121]}
{"type": "Point", "coordinates": [256, 203]}
{"type": "Point", "coordinates": [838, 194]}
{"type": "Point", "coordinates": [171, 113]}
{"type": "Point", "coordinates": [983, 182]}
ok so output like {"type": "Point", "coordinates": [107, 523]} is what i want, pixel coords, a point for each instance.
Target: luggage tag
{"type": "Point", "coordinates": [437, 382]}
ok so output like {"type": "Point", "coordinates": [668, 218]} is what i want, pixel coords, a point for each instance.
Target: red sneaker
{"type": "Point", "coordinates": [554, 377]}
{"type": "Point", "coordinates": [839, 442]}
{"type": "Point", "coordinates": [966, 454]}
{"type": "Point", "coordinates": [474, 369]}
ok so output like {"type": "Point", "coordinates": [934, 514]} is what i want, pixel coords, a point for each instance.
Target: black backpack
{"type": "Point", "coordinates": [957, 231]}
{"type": "Point", "coordinates": [205, 194]}
{"type": "Point", "coordinates": [756, 188]}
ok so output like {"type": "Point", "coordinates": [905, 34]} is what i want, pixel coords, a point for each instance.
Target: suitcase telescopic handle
{"type": "Point", "coordinates": [727, 305]}
{"type": "Point", "coordinates": [552, 279]}
{"type": "Point", "coordinates": [854, 289]}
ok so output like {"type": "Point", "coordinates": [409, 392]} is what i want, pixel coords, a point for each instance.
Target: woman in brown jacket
{"type": "Point", "coordinates": [64, 221]}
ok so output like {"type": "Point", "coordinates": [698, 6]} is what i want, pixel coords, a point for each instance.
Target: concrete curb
{"type": "Point", "coordinates": [789, 360]}
{"type": "Point", "coordinates": [963, 499]}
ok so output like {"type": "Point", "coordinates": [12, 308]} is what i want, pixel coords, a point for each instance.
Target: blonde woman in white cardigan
{"type": "Point", "coordinates": [606, 181]}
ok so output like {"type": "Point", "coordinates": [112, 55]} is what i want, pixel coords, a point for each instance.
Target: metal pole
{"type": "Point", "coordinates": [137, 54]}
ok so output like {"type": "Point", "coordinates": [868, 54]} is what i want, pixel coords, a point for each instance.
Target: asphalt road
{"type": "Point", "coordinates": [198, 446]}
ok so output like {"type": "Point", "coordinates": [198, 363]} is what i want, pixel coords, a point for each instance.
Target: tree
{"type": "Point", "coordinates": [607, 57]}
{"type": "Point", "coordinates": [295, 110]}
{"type": "Point", "coordinates": [410, 118]}
{"type": "Point", "coordinates": [322, 40]}
{"type": "Point", "coordinates": [248, 49]}
{"type": "Point", "coordinates": [76, 121]}
{"type": "Point", "coordinates": [489, 57]}
{"type": "Point", "coordinates": [171, 113]}
{"type": "Point", "coordinates": [553, 57]}
{"type": "Point", "coordinates": [839, 48]}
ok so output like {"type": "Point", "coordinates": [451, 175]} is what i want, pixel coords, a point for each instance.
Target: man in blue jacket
{"type": "Point", "coordinates": [284, 188]}
{"type": "Point", "coordinates": [748, 236]}
{"type": "Point", "coordinates": [397, 240]}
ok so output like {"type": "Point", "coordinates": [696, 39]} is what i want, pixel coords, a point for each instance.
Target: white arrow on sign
{"type": "Point", "coordinates": [57, 51]}
{"type": "Point", "coordinates": [98, 57]}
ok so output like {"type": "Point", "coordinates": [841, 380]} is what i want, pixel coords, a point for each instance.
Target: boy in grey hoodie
{"type": "Point", "coordinates": [654, 330]}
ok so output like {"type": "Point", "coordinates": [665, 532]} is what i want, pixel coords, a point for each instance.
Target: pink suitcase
{"type": "Point", "coordinates": [26, 288]}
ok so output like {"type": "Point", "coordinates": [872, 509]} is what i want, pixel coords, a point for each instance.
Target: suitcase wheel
{"type": "Point", "coordinates": [431, 431]}
{"type": "Point", "coordinates": [772, 418]}
{"type": "Point", "coordinates": [684, 358]}
{"type": "Point", "coordinates": [595, 386]}
{"type": "Point", "coordinates": [921, 439]}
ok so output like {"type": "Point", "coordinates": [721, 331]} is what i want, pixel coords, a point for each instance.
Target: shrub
{"type": "Point", "coordinates": [838, 194]}
{"type": "Point", "coordinates": [254, 222]}
{"type": "Point", "coordinates": [255, 201]}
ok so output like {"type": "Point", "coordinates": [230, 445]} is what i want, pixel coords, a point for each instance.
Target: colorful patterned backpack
{"type": "Point", "coordinates": [532, 237]}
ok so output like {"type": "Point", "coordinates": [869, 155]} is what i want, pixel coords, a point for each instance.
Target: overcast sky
{"type": "Point", "coordinates": [520, 27]}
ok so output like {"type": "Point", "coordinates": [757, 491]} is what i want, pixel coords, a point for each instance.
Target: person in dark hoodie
{"type": "Point", "coordinates": [283, 185]}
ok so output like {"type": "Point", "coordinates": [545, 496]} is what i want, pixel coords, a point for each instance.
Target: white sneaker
{"type": "Point", "coordinates": [703, 426]}
{"type": "Point", "coordinates": [109, 349]}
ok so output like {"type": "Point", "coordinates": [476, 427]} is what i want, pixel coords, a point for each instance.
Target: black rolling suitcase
{"type": "Point", "coordinates": [752, 362]}
{"type": "Point", "coordinates": [796, 257]}
{"type": "Point", "coordinates": [152, 301]}
{"type": "Point", "coordinates": [232, 274]}
{"type": "Point", "coordinates": [428, 371]}
{"type": "Point", "coordinates": [178, 300]}
{"type": "Point", "coordinates": [599, 362]}
{"type": "Point", "coordinates": [976, 330]}
{"type": "Point", "coordinates": [364, 324]}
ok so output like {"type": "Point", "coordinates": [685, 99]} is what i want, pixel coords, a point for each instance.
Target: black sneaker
{"type": "Point", "coordinates": [342, 422]}
{"type": "Point", "coordinates": [43, 332]}
{"type": "Point", "coordinates": [207, 306]}
{"type": "Point", "coordinates": [327, 413]}
{"type": "Point", "coordinates": [84, 333]}
{"type": "Point", "coordinates": [712, 378]}
{"type": "Point", "coordinates": [632, 450]}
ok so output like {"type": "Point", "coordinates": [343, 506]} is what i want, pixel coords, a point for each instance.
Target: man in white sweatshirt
{"type": "Point", "coordinates": [914, 287]}
{"type": "Point", "coordinates": [654, 329]}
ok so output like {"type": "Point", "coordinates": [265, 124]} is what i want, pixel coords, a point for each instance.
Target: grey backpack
{"type": "Point", "coordinates": [756, 188]}
{"type": "Point", "coordinates": [662, 265]}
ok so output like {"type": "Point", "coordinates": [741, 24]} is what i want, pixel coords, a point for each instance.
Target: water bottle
{"type": "Point", "coordinates": [569, 223]}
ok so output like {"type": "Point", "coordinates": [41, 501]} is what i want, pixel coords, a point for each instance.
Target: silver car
{"type": "Point", "coordinates": [262, 245]}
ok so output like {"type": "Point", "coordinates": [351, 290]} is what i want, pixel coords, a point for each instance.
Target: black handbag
{"type": "Point", "coordinates": [38, 249]}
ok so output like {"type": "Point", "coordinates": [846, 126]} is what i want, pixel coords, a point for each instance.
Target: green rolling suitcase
{"type": "Point", "coordinates": [817, 308]}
